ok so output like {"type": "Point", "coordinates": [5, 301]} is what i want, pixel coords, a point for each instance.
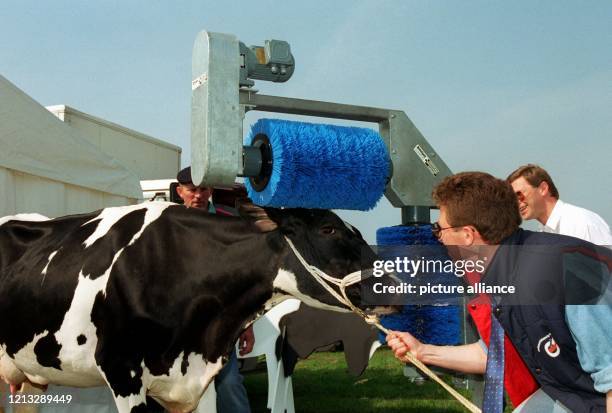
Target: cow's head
{"type": "Point", "coordinates": [324, 241]}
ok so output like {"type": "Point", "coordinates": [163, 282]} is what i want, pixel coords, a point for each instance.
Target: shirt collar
{"type": "Point", "coordinates": [555, 215]}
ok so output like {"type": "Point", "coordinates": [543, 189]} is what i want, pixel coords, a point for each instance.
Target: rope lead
{"type": "Point", "coordinates": [354, 278]}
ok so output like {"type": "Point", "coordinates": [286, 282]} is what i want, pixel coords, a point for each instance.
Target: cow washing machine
{"type": "Point", "coordinates": [297, 164]}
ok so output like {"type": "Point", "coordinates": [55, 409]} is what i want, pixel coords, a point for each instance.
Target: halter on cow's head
{"type": "Point", "coordinates": [320, 239]}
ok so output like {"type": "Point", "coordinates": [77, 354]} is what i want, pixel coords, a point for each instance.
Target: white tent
{"type": "Point", "coordinates": [46, 167]}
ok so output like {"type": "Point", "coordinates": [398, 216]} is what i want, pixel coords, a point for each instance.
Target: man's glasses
{"type": "Point", "coordinates": [436, 229]}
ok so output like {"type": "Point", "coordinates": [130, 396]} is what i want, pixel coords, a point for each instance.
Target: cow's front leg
{"type": "Point", "coordinates": [133, 403]}
{"type": "Point", "coordinates": [127, 383]}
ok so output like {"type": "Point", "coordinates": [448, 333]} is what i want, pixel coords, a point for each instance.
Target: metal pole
{"type": "Point", "coordinates": [415, 215]}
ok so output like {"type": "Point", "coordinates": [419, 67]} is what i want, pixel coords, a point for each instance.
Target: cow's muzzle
{"type": "Point", "coordinates": [374, 296]}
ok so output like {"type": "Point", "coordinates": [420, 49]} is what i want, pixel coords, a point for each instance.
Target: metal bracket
{"type": "Point", "coordinates": [413, 160]}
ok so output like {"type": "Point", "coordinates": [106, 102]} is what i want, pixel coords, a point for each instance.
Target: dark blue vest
{"type": "Point", "coordinates": [548, 275]}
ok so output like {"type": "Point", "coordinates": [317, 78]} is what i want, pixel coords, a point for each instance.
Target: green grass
{"type": "Point", "coordinates": [321, 384]}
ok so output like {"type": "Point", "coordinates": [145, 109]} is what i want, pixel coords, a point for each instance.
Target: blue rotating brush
{"type": "Point", "coordinates": [322, 166]}
{"type": "Point", "coordinates": [438, 324]}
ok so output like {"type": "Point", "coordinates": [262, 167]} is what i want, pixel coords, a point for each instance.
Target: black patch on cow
{"type": "Point", "coordinates": [153, 406]}
{"type": "Point", "coordinates": [184, 364]}
{"type": "Point", "coordinates": [81, 339]}
{"type": "Point", "coordinates": [119, 367]}
{"type": "Point", "coordinates": [141, 408]}
{"type": "Point", "coordinates": [105, 248]}
{"type": "Point", "coordinates": [47, 352]}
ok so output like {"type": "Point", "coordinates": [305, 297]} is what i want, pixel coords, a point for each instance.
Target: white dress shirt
{"type": "Point", "coordinates": [568, 219]}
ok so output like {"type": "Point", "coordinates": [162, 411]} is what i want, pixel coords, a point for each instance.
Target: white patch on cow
{"type": "Point", "coordinates": [272, 302]}
{"type": "Point", "coordinates": [175, 391]}
{"type": "Point", "coordinates": [182, 392]}
{"type": "Point", "coordinates": [44, 271]}
{"type": "Point", "coordinates": [285, 281]}
{"type": "Point", "coordinates": [77, 320]}
{"type": "Point", "coordinates": [125, 403]}
{"type": "Point", "coordinates": [23, 217]}
{"type": "Point", "coordinates": [73, 375]}
{"type": "Point", "coordinates": [110, 216]}
{"type": "Point", "coordinates": [76, 358]}
{"type": "Point", "coordinates": [373, 348]}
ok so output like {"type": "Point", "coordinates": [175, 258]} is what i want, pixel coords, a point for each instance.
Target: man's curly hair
{"type": "Point", "coordinates": [481, 200]}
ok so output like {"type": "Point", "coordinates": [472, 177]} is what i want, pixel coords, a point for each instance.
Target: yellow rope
{"type": "Point", "coordinates": [465, 402]}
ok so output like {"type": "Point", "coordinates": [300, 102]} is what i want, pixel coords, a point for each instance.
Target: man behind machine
{"type": "Point", "coordinates": [231, 394]}
{"type": "Point", "coordinates": [538, 198]}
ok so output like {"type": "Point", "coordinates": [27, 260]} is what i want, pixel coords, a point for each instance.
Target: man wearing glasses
{"type": "Point", "coordinates": [564, 350]}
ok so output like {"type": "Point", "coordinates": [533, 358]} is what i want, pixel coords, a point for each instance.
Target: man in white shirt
{"type": "Point", "coordinates": [539, 199]}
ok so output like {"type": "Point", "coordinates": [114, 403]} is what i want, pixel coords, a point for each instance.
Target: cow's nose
{"type": "Point", "coordinates": [393, 296]}
{"type": "Point", "coordinates": [380, 290]}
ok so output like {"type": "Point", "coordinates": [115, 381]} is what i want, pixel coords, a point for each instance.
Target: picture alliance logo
{"type": "Point", "coordinates": [423, 266]}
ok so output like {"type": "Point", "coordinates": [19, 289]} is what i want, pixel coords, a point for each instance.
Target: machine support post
{"type": "Point", "coordinates": [413, 214]}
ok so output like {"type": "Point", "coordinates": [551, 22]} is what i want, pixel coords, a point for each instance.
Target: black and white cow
{"type": "Point", "coordinates": [149, 298]}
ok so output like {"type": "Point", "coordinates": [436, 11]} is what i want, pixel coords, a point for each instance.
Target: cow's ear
{"type": "Point", "coordinates": [286, 219]}
{"type": "Point", "coordinates": [254, 212]}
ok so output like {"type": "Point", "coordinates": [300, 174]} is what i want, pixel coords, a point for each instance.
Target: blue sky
{"type": "Point", "coordinates": [491, 84]}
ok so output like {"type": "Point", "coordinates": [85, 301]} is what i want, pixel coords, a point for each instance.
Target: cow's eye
{"type": "Point", "coordinates": [328, 230]}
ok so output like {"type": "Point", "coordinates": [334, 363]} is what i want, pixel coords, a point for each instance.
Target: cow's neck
{"type": "Point", "coordinates": [296, 278]}
{"type": "Point", "coordinates": [258, 259]}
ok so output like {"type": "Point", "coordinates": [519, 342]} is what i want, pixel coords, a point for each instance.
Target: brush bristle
{"type": "Point", "coordinates": [432, 324]}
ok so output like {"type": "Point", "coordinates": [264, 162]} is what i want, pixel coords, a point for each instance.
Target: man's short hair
{"type": "Point", "coordinates": [481, 200]}
{"type": "Point", "coordinates": [535, 175]}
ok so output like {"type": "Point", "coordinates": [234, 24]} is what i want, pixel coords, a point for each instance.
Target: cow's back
{"type": "Point", "coordinates": [25, 237]}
